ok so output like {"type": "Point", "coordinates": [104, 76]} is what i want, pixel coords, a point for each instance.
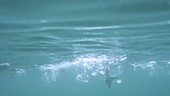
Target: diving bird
{"type": "Point", "coordinates": [108, 77]}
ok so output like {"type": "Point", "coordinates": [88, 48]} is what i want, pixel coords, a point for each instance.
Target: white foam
{"type": "Point", "coordinates": [4, 66]}
{"type": "Point", "coordinates": [20, 72]}
{"type": "Point", "coordinates": [118, 81]}
{"type": "Point", "coordinates": [83, 66]}
{"type": "Point", "coordinates": [82, 78]}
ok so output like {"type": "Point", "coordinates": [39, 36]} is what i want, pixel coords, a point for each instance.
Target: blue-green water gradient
{"type": "Point", "coordinates": [60, 47]}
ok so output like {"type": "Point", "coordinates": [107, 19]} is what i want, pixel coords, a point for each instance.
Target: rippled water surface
{"type": "Point", "coordinates": [62, 47]}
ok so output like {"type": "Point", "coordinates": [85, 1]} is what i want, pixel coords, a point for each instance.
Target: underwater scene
{"type": "Point", "coordinates": [84, 47]}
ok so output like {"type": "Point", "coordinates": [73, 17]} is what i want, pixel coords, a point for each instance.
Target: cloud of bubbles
{"type": "Point", "coordinates": [84, 66]}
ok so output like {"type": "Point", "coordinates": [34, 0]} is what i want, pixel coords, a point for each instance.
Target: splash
{"type": "Point", "coordinates": [153, 67]}
{"type": "Point", "coordinates": [4, 66]}
{"type": "Point", "coordinates": [118, 81]}
{"type": "Point", "coordinates": [83, 66]}
{"type": "Point", "coordinates": [19, 72]}
{"type": "Point", "coordinates": [82, 77]}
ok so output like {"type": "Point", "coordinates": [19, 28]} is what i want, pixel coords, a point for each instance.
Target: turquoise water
{"type": "Point", "coordinates": [60, 47]}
